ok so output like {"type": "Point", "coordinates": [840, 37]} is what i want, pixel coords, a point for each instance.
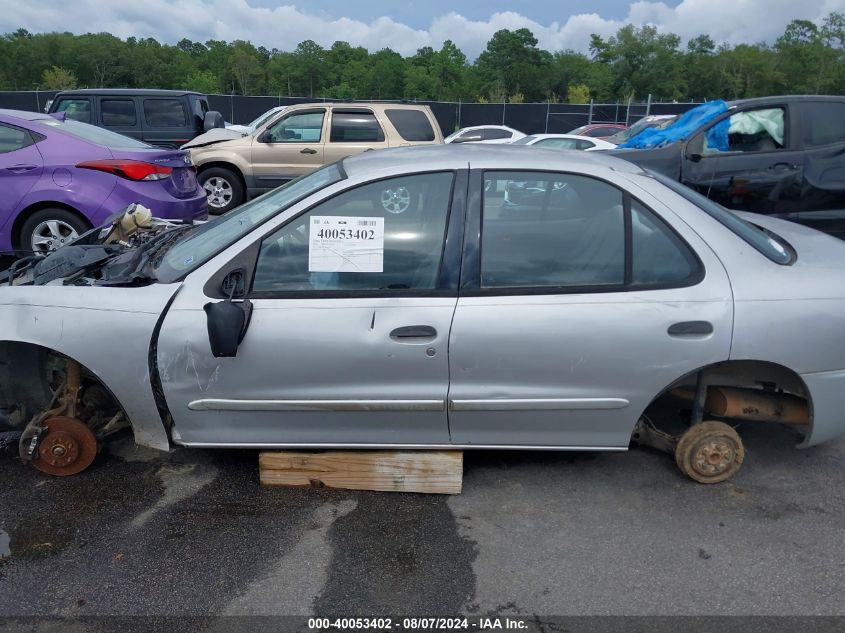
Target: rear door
{"type": "Point", "coordinates": [21, 166]}
{"type": "Point", "coordinates": [167, 121]}
{"type": "Point", "coordinates": [822, 135]}
{"type": "Point", "coordinates": [578, 304]}
{"type": "Point", "coordinates": [293, 145]}
{"type": "Point", "coordinates": [352, 131]}
{"type": "Point", "coordinates": [348, 339]}
{"type": "Point", "coordinates": [120, 114]}
{"type": "Point", "coordinates": [748, 159]}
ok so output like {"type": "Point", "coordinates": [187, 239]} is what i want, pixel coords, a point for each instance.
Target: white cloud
{"type": "Point", "coordinates": [282, 27]}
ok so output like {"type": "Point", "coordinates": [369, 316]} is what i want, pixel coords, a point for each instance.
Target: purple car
{"type": "Point", "coordinates": [58, 178]}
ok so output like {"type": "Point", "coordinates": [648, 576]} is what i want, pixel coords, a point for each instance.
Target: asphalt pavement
{"type": "Point", "coordinates": [193, 534]}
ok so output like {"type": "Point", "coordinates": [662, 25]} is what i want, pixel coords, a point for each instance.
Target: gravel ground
{"type": "Point", "coordinates": [191, 533]}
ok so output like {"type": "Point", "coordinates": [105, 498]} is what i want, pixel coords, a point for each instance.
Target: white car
{"type": "Point", "coordinates": [485, 134]}
{"type": "Point", "coordinates": [564, 141]}
{"type": "Point", "coordinates": [253, 125]}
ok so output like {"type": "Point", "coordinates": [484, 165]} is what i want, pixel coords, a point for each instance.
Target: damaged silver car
{"type": "Point", "coordinates": [316, 317]}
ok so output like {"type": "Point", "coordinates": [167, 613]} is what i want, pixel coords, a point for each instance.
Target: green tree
{"type": "Point", "coordinates": [578, 93]}
{"type": "Point", "coordinates": [512, 63]}
{"type": "Point", "coordinates": [57, 78]}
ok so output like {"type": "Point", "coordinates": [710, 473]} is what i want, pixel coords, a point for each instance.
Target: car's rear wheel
{"type": "Point", "coordinates": [709, 452]}
{"type": "Point", "coordinates": [223, 188]}
{"type": "Point", "coordinates": [49, 229]}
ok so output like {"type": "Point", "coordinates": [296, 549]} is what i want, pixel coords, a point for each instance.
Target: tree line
{"type": "Point", "coordinates": [634, 63]}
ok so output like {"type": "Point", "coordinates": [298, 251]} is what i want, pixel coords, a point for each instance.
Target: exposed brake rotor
{"type": "Point", "coordinates": [66, 448]}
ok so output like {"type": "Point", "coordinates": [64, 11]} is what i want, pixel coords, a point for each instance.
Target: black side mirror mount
{"type": "Point", "coordinates": [228, 320]}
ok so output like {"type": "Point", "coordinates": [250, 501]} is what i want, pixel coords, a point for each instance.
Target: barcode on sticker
{"type": "Point", "coordinates": [366, 222]}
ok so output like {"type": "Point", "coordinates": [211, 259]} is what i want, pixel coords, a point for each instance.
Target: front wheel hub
{"type": "Point", "coordinates": [68, 447]}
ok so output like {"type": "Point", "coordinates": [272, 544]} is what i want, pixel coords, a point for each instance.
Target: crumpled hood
{"type": "Point", "coordinates": [217, 135]}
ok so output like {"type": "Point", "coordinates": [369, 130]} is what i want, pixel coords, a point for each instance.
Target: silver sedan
{"type": "Point", "coordinates": [593, 305]}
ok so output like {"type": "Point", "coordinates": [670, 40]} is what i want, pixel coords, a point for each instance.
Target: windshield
{"type": "Point", "coordinates": [211, 238]}
{"type": "Point", "coordinates": [762, 240]}
{"type": "Point", "coordinates": [639, 126]}
{"type": "Point", "coordinates": [256, 123]}
{"type": "Point", "coordinates": [94, 134]}
{"type": "Point", "coordinates": [525, 140]}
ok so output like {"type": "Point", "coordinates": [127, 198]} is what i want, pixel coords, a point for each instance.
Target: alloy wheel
{"type": "Point", "coordinates": [219, 192]}
{"type": "Point", "coordinates": [52, 234]}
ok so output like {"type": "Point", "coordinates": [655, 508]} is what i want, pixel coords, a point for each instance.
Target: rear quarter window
{"type": "Point", "coordinates": [823, 123]}
{"type": "Point", "coordinates": [412, 125]}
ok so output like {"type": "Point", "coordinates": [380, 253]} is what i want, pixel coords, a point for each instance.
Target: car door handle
{"type": "Point", "coordinates": [21, 168]}
{"type": "Point", "coordinates": [308, 150]}
{"type": "Point", "coordinates": [414, 331]}
{"type": "Point", "coordinates": [691, 328]}
{"type": "Point", "coordinates": [782, 166]}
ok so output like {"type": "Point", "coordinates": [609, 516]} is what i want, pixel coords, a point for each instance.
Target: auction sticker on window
{"type": "Point", "coordinates": [338, 244]}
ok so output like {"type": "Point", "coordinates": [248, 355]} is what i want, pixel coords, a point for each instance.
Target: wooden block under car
{"type": "Point", "coordinates": [437, 472]}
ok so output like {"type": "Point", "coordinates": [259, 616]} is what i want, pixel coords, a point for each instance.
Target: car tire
{"type": "Point", "coordinates": [49, 229]}
{"type": "Point", "coordinates": [223, 188]}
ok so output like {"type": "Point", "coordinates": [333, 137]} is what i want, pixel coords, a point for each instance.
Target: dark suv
{"type": "Point", "coordinates": [167, 118]}
{"type": "Point", "coordinates": [782, 156]}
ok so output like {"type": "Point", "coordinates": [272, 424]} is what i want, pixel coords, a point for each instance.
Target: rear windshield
{"type": "Point", "coordinates": [412, 125]}
{"type": "Point", "coordinates": [212, 237]}
{"type": "Point", "coordinates": [525, 140]}
{"type": "Point", "coordinates": [766, 242]}
{"type": "Point", "coordinates": [94, 134]}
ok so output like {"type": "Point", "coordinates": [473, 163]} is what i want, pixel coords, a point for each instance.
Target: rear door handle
{"type": "Point", "coordinates": [691, 328]}
{"type": "Point", "coordinates": [782, 166]}
{"type": "Point", "coordinates": [21, 168]}
{"type": "Point", "coordinates": [414, 331]}
{"type": "Point", "coordinates": [308, 150]}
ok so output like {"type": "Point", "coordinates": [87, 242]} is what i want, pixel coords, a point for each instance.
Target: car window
{"type": "Point", "coordinates": [76, 109]}
{"type": "Point", "coordinates": [355, 126]}
{"type": "Point", "coordinates": [297, 127]}
{"type": "Point", "coordinates": [493, 133]}
{"type": "Point", "coordinates": [659, 256]}
{"type": "Point", "coordinates": [12, 138]}
{"type": "Point", "coordinates": [94, 134]}
{"type": "Point", "coordinates": [385, 236]}
{"type": "Point", "coordinates": [412, 125]}
{"type": "Point", "coordinates": [165, 113]}
{"type": "Point", "coordinates": [599, 131]}
{"type": "Point", "coordinates": [584, 144]}
{"type": "Point", "coordinates": [559, 143]}
{"type": "Point", "coordinates": [118, 112]}
{"type": "Point", "coordinates": [212, 237]}
{"type": "Point", "coordinates": [525, 140]}
{"type": "Point", "coordinates": [759, 130]}
{"type": "Point", "coordinates": [551, 230]}
{"type": "Point", "coordinates": [767, 243]}
{"type": "Point", "coordinates": [823, 123]}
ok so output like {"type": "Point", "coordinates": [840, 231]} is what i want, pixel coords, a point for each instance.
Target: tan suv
{"type": "Point", "coordinates": [301, 138]}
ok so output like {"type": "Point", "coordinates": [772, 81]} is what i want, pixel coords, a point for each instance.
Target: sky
{"type": "Point", "coordinates": [406, 25]}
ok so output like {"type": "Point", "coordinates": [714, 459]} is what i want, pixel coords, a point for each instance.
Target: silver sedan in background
{"type": "Point", "coordinates": [599, 305]}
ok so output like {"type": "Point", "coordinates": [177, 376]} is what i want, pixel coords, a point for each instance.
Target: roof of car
{"type": "Point", "coordinates": [140, 92]}
{"type": "Point", "coordinates": [503, 156]}
{"type": "Point", "coordinates": [776, 100]}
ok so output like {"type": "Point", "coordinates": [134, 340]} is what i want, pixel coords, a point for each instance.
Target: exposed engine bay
{"type": "Point", "coordinates": [121, 252]}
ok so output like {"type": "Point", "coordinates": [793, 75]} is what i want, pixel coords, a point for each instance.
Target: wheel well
{"type": "Point", "coordinates": [29, 376]}
{"type": "Point", "coordinates": [752, 374]}
{"type": "Point", "coordinates": [223, 165]}
{"type": "Point", "coordinates": [17, 225]}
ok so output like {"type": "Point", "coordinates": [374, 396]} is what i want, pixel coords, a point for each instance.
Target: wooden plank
{"type": "Point", "coordinates": [438, 472]}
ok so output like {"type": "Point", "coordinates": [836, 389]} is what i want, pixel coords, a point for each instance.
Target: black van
{"type": "Point", "coordinates": [167, 118]}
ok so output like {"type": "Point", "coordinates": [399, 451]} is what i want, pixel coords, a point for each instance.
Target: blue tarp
{"type": "Point", "coordinates": [686, 124]}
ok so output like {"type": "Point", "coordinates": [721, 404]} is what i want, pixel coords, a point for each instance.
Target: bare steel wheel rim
{"type": "Point", "coordinates": [52, 234]}
{"type": "Point", "coordinates": [713, 457]}
{"type": "Point", "coordinates": [396, 200]}
{"type": "Point", "coordinates": [219, 192]}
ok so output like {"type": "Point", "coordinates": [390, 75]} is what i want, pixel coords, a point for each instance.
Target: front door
{"type": "Point", "coordinates": [291, 146]}
{"type": "Point", "coordinates": [347, 343]}
{"type": "Point", "coordinates": [747, 160]}
{"type": "Point", "coordinates": [579, 307]}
